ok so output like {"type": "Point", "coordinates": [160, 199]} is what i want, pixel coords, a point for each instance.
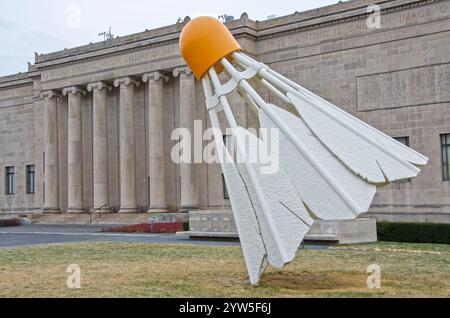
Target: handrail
{"type": "Point", "coordinates": [99, 209]}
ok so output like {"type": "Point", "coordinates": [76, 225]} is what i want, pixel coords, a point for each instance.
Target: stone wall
{"type": "Point", "coordinates": [396, 79]}
{"type": "Point", "coordinates": [19, 137]}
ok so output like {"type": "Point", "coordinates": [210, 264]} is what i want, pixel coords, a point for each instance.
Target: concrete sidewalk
{"type": "Point", "coordinates": [30, 235]}
{"type": "Point", "coordinates": [56, 234]}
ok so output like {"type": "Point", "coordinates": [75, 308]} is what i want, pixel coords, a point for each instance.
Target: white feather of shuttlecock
{"type": "Point", "coordinates": [330, 163]}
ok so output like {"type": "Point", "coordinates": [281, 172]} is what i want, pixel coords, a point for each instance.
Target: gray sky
{"type": "Point", "coordinates": [28, 26]}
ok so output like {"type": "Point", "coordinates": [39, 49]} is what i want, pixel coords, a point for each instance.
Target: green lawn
{"type": "Point", "coordinates": [143, 270]}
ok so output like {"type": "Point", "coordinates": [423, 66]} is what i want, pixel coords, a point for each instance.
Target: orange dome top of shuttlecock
{"type": "Point", "coordinates": [204, 41]}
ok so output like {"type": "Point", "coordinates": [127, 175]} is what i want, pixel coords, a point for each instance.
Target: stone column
{"type": "Point", "coordinates": [127, 154]}
{"type": "Point", "coordinates": [100, 144]}
{"type": "Point", "coordinates": [51, 164]}
{"type": "Point", "coordinates": [156, 141]}
{"type": "Point", "coordinates": [189, 197]}
{"type": "Point", "coordinates": [74, 150]}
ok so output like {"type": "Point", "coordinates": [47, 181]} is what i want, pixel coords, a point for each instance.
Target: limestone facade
{"type": "Point", "coordinates": [96, 121]}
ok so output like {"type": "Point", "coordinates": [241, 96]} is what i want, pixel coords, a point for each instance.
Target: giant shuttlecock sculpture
{"type": "Point", "coordinates": [330, 162]}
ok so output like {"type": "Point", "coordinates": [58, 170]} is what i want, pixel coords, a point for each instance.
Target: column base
{"type": "Point", "coordinates": [51, 211]}
{"type": "Point", "coordinates": [106, 211]}
{"type": "Point", "coordinates": [187, 209]}
{"type": "Point", "coordinates": [75, 211]}
{"type": "Point", "coordinates": [158, 209]}
{"type": "Point", "coordinates": [128, 210]}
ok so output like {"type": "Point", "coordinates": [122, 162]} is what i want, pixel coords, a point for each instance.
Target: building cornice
{"type": "Point", "coordinates": [16, 80]}
{"type": "Point", "coordinates": [243, 28]}
{"type": "Point", "coordinates": [353, 15]}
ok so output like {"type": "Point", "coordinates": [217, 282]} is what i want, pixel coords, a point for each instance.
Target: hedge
{"type": "Point", "coordinates": [414, 232]}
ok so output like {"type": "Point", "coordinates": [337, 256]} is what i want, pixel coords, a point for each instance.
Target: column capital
{"type": "Point", "coordinates": [50, 94]}
{"type": "Point", "coordinates": [98, 86]}
{"type": "Point", "coordinates": [182, 72]}
{"type": "Point", "coordinates": [73, 90]}
{"type": "Point", "coordinates": [126, 81]}
{"type": "Point", "coordinates": [155, 76]}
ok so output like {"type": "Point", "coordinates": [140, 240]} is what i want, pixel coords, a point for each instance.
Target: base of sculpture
{"type": "Point", "coordinates": [344, 231]}
{"type": "Point", "coordinates": [220, 224]}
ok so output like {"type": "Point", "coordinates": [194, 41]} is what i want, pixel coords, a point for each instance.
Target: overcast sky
{"type": "Point", "coordinates": [28, 26]}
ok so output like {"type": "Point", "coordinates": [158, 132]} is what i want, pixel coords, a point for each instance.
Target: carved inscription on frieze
{"type": "Point", "coordinates": [112, 62]}
{"type": "Point", "coordinates": [388, 20]}
{"type": "Point", "coordinates": [412, 87]}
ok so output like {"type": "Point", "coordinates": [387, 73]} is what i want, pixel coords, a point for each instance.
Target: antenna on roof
{"type": "Point", "coordinates": [107, 35]}
{"type": "Point", "coordinates": [225, 18]}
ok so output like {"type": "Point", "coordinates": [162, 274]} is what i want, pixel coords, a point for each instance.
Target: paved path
{"type": "Point", "coordinates": [55, 234]}
{"type": "Point", "coordinates": [59, 234]}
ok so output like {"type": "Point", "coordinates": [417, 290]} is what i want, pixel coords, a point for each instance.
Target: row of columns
{"type": "Point", "coordinates": [127, 151]}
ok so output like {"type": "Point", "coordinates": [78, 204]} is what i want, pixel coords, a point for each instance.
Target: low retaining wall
{"type": "Point", "coordinates": [220, 224]}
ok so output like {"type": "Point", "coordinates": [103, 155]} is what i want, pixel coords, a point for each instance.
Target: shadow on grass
{"type": "Point", "coordinates": [309, 282]}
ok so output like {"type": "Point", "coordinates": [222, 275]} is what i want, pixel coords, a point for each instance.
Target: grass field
{"type": "Point", "coordinates": [143, 270]}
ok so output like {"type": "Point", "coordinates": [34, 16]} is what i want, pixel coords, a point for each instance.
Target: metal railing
{"type": "Point", "coordinates": [99, 210]}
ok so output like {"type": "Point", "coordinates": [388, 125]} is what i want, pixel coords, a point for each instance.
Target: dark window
{"type": "Point", "coordinates": [227, 143]}
{"type": "Point", "coordinates": [445, 147]}
{"type": "Point", "coordinates": [226, 196]}
{"type": "Point", "coordinates": [30, 179]}
{"type": "Point", "coordinates": [405, 141]}
{"type": "Point", "coordinates": [10, 171]}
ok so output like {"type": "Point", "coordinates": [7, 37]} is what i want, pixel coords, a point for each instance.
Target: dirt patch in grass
{"type": "Point", "coordinates": [307, 281]}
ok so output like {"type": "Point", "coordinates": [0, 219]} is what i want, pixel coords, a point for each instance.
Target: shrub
{"type": "Point", "coordinates": [170, 227]}
{"type": "Point", "coordinates": [414, 232]}
{"type": "Point", "coordinates": [10, 222]}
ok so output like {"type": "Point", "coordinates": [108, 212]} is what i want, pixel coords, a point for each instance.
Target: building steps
{"type": "Point", "coordinates": [103, 219]}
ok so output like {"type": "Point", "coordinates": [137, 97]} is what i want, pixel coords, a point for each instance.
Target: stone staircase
{"type": "Point", "coordinates": [100, 219]}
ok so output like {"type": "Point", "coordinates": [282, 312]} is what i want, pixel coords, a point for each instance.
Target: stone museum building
{"type": "Point", "coordinates": [92, 126]}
